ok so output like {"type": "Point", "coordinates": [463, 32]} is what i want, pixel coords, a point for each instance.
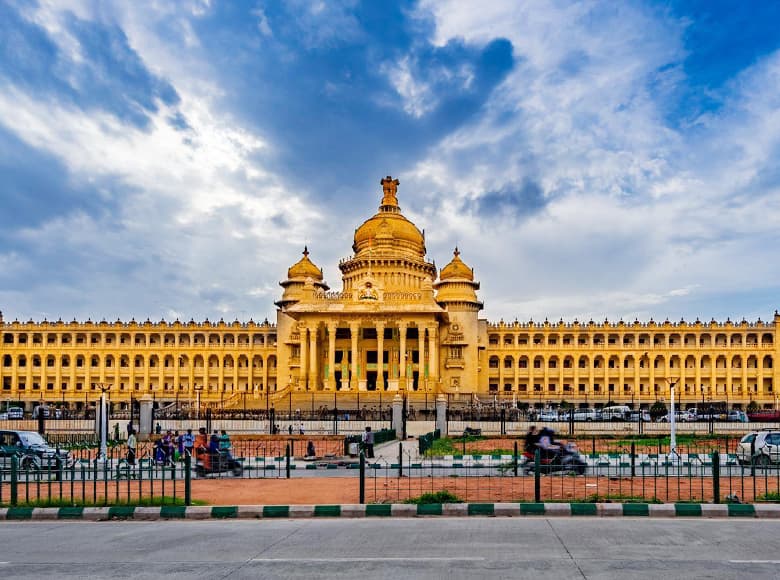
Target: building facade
{"type": "Point", "coordinates": [396, 325]}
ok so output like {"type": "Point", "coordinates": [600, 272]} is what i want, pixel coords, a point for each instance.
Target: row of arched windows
{"type": "Point", "coordinates": [630, 362]}
{"type": "Point", "coordinates": [690, 340]}
{"type": "Point", "coordinates": [140, 339]}
{"type": "Point", "coordinates": [140, 361]}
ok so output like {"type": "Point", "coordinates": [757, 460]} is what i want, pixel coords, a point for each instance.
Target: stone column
{"type": "Point", "coordinates": [302, 373]}
{"type": "Point", "coordinates": [402, 355]}
{"type": "Point", "coordinates": [398, 421]}
{"type": "Point", "coordinates": [441, 415]}
{"type": "Point", "coordinates": [330, 382]}
{"type": "Point", "coordinates": [433, 354]}
{"type": "Point", "coordinates": [145, 416]}
{"type": "Point", "coordinates": [422, 380]}
{"type": "Point", "coordinates": [354, 329]}
{"type": "Point", "coordinates": [313, 372]}
{"type": "Point", "coordinates": [380, 347]}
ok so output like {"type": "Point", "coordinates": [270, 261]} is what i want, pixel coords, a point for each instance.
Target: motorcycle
{"type": "Point", "coordinates": [568, 458]}
{"type": "Point", "coordinates": [220, 462]}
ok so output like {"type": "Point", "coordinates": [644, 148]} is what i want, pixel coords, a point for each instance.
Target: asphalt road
{"type": "Point", "coordinates": [394, 548]}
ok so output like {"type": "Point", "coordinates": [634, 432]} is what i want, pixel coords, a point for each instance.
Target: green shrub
{"type": "Point", "coordinates": [442, 496]}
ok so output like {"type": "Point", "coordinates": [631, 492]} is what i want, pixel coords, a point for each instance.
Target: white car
{"type": "Point", "coordinates": [587, 415]}
{"type": "Point", "coordinates": [679, 416]}
{"type": "Point", "coordinates": [548, 415]}
{"type": "Point", "coordinates": [766, 445]}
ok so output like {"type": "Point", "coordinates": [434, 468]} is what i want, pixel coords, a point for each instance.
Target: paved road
{"type": "Point", "coordinates": [398, 548]}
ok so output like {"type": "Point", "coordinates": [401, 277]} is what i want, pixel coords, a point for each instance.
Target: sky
{"type": "Point", "coordinates": [591, 160]}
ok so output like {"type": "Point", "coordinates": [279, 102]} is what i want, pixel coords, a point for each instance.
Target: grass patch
{"type": "Point", "coordinates": [449, 445]}
{"type": "Point", "coordinates": [142, 502]}
{"type": "Point", "coordinates": [772, 496]}
{"type": "Point", "coordinates": [442, 496]}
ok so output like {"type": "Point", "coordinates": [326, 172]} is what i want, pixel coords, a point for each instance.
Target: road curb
{"type": "Point", "coordinates": [509, 509]}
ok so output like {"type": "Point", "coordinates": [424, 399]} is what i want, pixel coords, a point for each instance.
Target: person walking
{"type": "Point", "coordinates": [131, 445]}
{"type": "Point", "coordinates": [368, 442]}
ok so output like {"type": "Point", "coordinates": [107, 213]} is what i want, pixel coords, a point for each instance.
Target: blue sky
{"type": "Point", "coordinates": [591, 160]}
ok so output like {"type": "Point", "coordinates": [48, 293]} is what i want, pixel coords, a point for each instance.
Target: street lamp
{"type": "Point", "coordinates": [672, 417]}
{"type": "Point", "coordinates": [103, 427]}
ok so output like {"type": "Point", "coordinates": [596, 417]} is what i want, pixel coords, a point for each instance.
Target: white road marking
{"type": "Point", "coordinates": [754, 561]}
{"type": "Point", "coordinates": [370, 559]}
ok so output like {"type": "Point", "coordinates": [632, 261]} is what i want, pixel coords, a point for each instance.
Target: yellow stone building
{"type": "Point", "coordinates": [396, 325]}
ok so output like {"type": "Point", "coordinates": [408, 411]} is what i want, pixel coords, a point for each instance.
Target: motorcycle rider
{"type": "Point", "coordinates": [546, 442]}
{"type": "Point", "coordinates": [202, 448]}
{"type": "Point", "coordinates": [530, 440]}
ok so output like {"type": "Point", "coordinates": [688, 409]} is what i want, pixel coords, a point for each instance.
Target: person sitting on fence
{"type": "Point", "coordinates": [179, 441]}
{"type": "Point", "coordinates": [169, 447]}
{"type": "Point", "coordinates": [224, 444]}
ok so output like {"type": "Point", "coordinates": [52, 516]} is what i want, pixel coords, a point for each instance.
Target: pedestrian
{"type": "Point", "coordinates": [202, 449]}
{"type": "Point", "coordinates": [189, 442]}
{"type": "Point", "coordinates": [300, 429]}
{"type": "Point", "coordinates": [368, 442]}
{"type": "Point", "coordinates": [310, 451]}
{"type": "Point", "coordinates": [158, 429]}
{"type": "Point", "coordinates": [116, 431]}
{"type": "Point", "coordinates": [130, 427]}
{"type": "Point", "coordinates": [530, 440]}
{"type": "Point", "coordinates": [179, 440]}
{"type": "Point", "coordinates": [131, 445]}
{"type": "Point", "coordinates": [289, 429]}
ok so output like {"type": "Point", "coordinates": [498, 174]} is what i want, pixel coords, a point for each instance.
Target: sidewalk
{"type": "Point", "coordinates": [388, 452]}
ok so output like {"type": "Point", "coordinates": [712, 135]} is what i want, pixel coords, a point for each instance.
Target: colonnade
{"type": "Point", "coordinates": [399, 366]}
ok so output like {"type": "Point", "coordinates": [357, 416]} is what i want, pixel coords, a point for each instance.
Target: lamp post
{"type": "Point", "coordinates": [103, 427]}
{"type": "Point", "coordinates": [672, 417]}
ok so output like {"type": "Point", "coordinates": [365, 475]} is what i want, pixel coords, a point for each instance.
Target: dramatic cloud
{"type": "Point", "coordinates": [590, 160]}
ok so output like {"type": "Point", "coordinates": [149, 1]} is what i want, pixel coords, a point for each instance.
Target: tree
{"type": "Point", "coordinates": [752, 407]}
{"type": "Point", "coordinates": [658, 409]}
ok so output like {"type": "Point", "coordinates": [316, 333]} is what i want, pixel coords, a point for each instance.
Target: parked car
{"type": "Point", "coordinates": [763, 447]}
{"type": "Point", "coordinates": [765, 415]}
{"type": "Point", "coordinates": [15, 413]}
{"type": "Point", "coordinates": [679, 416]}
{"type": "Point", "coordinates": [737, 416]}
{"type": "Point", "coordinates": [645, 416]}
{"type": "Point", "coordinates": [616, 413]}
{"type": "Point", "coordinates": [587, 415]}
{"type": "Point", "coordinates": [548, 415]}
{"type": "Point", "coordinates": [33, 451]}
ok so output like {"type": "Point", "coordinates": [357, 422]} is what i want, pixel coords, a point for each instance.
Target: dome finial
{"type": "Point", "coordinates": [389, 188]}
{"type": "Point", "coordinates": [457, 251]}
{"type": "Point", "coordinates": [306, 250]}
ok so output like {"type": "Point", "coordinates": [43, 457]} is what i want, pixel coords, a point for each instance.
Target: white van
{"type": "Point", "coordinates": [616, 413]}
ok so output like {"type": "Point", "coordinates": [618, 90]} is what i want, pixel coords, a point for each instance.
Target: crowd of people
{"type": "Point", "coordinates": [171, 446]}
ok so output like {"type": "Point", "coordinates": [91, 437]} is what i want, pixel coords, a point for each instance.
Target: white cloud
{"type": "Point", "coordinates": [634, 210]}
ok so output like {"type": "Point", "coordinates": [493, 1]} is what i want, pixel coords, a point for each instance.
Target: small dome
{"type": "Point", "coordinates": [304, 268]}
{"type": "Point", "coordinates": [456, 269]}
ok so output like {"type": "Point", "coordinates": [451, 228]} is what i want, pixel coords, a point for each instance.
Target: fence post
{"type": "Point", "coordinates": [633, 459]}
{"type": "Point", "coordinates": [187, 479]}
{"type": "Point", "coordinates": [14, 479]}
{"type": "Point", "coordinates": [571, 422]}
{"type": "Point", "coordinates": [716, 476]}
{"type": "Point", "coordinates": [503, 421]}
{"type": "Point", "coordinates": [593, 446]}
{"type": "Point", "coordinates": [362, 477]}
{"type": "Point", "coordinates": [514, 462]}
{"type": "Point", "coordinates": [287, 460]}
{"type": "Point", "coordinates": [537, 476]}
{"type": "Point", "coordinates": [400, 459]}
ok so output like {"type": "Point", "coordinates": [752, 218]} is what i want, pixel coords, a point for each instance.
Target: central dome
{"type": "Point", "coordinates": [389, 227]}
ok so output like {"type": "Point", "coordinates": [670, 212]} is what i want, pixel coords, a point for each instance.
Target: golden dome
{"type": "Point", "coordinates": [304, 268]}
{"type": "Point", "coordinates": [389, 224]}
{"type": "Point", "coordinates": [456, 269]}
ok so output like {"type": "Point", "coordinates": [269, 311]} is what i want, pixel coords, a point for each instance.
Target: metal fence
{"type": "Point", "coordinates": [616, 473]}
